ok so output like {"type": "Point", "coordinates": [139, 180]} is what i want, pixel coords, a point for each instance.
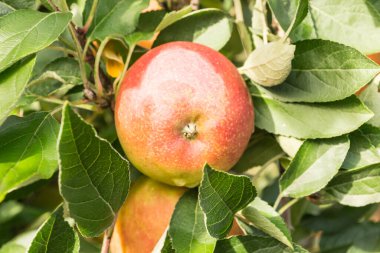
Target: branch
{"type": "Point", "coordinates": [107, 238]}
{"type": "Point", "coordinates": [238, 11]}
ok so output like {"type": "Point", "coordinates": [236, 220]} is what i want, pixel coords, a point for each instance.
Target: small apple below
{"type": "Point", "coordinates": [145, 216]}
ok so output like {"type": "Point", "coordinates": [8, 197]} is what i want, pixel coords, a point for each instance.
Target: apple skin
{"type": "Point", "coordinates": [145, 216]}
{"type": "Point", "coordinates": [375, 57]}
{"type": "Point", "coordinates": [182, 105]}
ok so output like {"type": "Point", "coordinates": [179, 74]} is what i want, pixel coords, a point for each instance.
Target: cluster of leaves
{"type": "Point", "coordinates": [314, 159]}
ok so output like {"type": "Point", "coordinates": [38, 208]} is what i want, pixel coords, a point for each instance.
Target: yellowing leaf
{"type": "Point", "coordinates": [114, 68]}
{"type": "Point", "coordinates": [270, 64]}
{"type": "Point", "coordinates": [113, 58]}
{"type": "Point", "coordinates": [147, 44]}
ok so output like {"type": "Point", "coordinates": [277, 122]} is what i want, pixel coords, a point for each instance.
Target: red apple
{"type": "Point", "coordinates": [182, 105]}
{"type": "Point", "coordinates": [145, 215]}
{"type": "Point", "coordinates": [375, 57]}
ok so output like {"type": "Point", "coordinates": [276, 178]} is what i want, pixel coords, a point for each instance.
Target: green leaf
{"type": "Point", "coordinates": [102, 9]}
{"type": "Point", "coordinates": [28, 150]}
{"type": "Point", "coordinates": [44, 57]}
{"type": "Point", "coordinates": [58, 76]}
{"type": "Point", "coordinates": [335, 20]}
{"type": "Point", "coordinates": [315, 164]}
{"type": "Point", "coordinates": [261, 151]}
{"type": "Point", "coordinates": [5, 9]}
{"type": "Point", "coordinates": [334, 219]}
{"type": "Point", "coordinates": [357, 187]}
{"type": "Point", "coordinates": [19, 243]}
{"type": "Point", "coordinates": [12, 85]}
{"type": "Point", "coordinates": [286, 11]}
{"type": "Point", "coordinates": [25, 32]}
{"type": "Point", "coordinates": [250, 244]}
{"type": "Point", "coordinates": [154, 21]}
{"type": "Point", "coordinates": [21, 4]}
{"type": "Point", "coordinates": [301, 120]}
{"type": "Point", "coordinates": [364, 149]}
{"type": "Point", "coordinates": [55, 235]}
{"type": "Point", "coordinates": [146, 27]}
{"type": "Point", "coordinates": [210, 27]}
{"type": "Point", "coordinates": [121, 20]}
{"type": "Point", "coordinates": [371, 98]}
{"type": "Point", "coordinates": [324, 71]}
{"type": "Point", "coordinates": [265, 218]}
{"type": "Point", "coordinates": [270, 64]}
{"type": "Point", "coordinates": [187, 226]}
{"type": "Point", "coordinates": [289, 145]}
{"type": "Point", "coordinates": [12, 248]}
{"type": "Point", "coordinates": [358, 238]}
{"type": "Point", "coordinates": [172, 17]}
{"type": "Point", "coordinates": [221, 195]}
{"type": "Point", "coordinates": [300, 14]}
{"type": "Point", "coordinates": [94, 178]}
{"type": "Point", "coordinates": [167, 247]}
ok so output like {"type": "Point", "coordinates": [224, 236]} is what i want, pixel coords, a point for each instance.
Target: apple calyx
{"type": "Point", "coordinates": [190, 131]}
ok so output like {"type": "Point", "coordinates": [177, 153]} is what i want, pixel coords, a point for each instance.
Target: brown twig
{"type": "Point", "coordinates": [107, 238]}
{"type": "Point", "coordinates": [53, 5]}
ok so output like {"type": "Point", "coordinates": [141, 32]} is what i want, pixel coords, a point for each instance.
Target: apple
{"type": "Point", "coordinates": [182, 105]}
{"type": "Point", "coordinates": [145, 216]}
{"type": "Point", "coordinates": [375, 57]}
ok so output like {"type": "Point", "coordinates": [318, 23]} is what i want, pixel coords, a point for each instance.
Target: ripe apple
{"type": "Point", "coordinates": [182, 105]}
{"type": "Point", "coordinates": [375, 57]}
{"type": "Point", "coordinates": [145, 215]}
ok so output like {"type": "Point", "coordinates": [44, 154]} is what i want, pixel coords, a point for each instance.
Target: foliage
{"type": "Point", "coordinates": [308, 180]}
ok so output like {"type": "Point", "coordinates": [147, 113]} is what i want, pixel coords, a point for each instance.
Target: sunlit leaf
{"type": "Point", "coordinates": [12, 84]}
{"type": "Point", "coordinates": [265, 218]}
{"type": "Point", "coordinates": [314, 165]}
{"type": "Point", "coordinates": [324, 71]}
{"type": "Point", "coordinates": [28, 150]}
{"type": "Point", "coordinates": [25, 32]}
{"type": "Point", "coordinates": [357, 187]}
{"type": "Point", "coordinates": [351, 22]}
{"type": "Point", "coordinates": [305, 120]}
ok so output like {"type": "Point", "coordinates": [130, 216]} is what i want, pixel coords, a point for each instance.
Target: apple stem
{"type": "Point", "coordinates": [190, 131]}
